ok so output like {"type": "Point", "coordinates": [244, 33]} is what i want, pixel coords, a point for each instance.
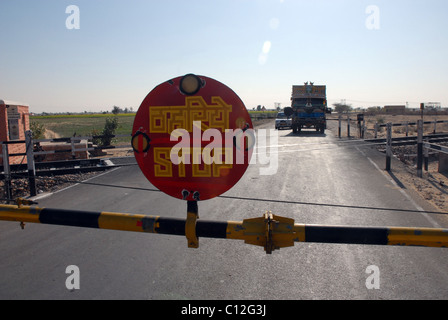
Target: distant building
{"type": "Point", "coordinates": [394, 109]}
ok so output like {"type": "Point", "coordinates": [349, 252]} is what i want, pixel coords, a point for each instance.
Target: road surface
{"type": "Point", "coordinates": [311, 168]}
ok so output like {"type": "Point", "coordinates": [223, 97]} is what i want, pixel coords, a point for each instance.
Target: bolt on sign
{"type": "Point", "coordinates": [193, 137]}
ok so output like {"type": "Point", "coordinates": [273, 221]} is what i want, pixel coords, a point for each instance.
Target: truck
{"type": "Point", "coordinates": [308, 107]}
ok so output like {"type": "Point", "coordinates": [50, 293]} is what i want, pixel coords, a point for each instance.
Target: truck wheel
{"type": "Point", "coordinates": [294, 129]}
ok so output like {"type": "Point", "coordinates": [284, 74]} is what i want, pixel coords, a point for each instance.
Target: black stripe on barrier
{"type": "Point", "coordinates": [71, 218]}
{"type": "Point", "coordinates": [204, 228]}
{"type": "Point", "coordinates": [347, 235]}
{"type": "Point", "coordinates": [170, 226]}
{"type": "Point", "coordinates": [211, 229]}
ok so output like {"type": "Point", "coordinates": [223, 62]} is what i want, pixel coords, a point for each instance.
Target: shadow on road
{"type": "Point", "coordinates": [397, 181]}
{"type": "Point", "coordinates": [306, 134]}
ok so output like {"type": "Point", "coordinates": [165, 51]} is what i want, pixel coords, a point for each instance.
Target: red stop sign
{"type": "Point", "coordinates": [192, 137]}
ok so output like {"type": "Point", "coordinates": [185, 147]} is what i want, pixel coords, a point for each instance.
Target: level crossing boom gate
{"type": "Point", "coordinates": [178, 166]}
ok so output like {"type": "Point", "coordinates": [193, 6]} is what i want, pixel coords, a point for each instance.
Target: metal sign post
{"type": "Point", "coordinates": [192, 140]}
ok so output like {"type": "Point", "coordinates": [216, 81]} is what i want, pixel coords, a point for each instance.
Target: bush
{"type": "Point", "coordinates": [106, 135]}
{"type": "Point", "coordinates": [38, 130]}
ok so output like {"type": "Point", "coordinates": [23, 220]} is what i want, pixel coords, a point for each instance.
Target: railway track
{"type": "Point", "coordinates": [69, 166]}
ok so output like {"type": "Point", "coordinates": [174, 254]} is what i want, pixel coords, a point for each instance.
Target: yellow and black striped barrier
{"type": "Point", "coordinates": [270, 231]}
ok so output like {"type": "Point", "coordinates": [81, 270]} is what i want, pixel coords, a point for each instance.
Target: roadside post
{"type": "Point", "coordinates": [420, 148]}
{"type": "Point", "coordinates": [340, 125]}
{"type": "Point", "coordinates": [388, 146]}
{"type": "Point", "coordinates": [363, 127]}
{"type": "Point", "coordinates": [348, 125]}
{"type": "Point", "coordinates": [361, 124]}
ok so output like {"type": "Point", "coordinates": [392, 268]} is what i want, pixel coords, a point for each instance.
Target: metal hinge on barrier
{"type": "Point", "coordinates": [20, 202]}
{"type": "Point", "coordinates": [270, 231]}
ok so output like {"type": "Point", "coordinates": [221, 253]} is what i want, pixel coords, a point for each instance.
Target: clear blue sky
{"type": "Point", "coordinates": [259, 48]}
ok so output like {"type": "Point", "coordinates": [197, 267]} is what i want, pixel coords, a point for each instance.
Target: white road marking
{"type": "Point", "coordinates": [46, 195]}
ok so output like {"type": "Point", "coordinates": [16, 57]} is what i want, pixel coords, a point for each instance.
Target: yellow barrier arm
{"type": "Point", "coordinates": [270, 231]}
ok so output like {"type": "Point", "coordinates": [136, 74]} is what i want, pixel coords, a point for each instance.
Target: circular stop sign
{"type": "Point", "coordinates": [192, 137]}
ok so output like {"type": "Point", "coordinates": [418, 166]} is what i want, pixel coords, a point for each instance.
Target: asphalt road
{"type": "Point", "coordinates": [311, 168]}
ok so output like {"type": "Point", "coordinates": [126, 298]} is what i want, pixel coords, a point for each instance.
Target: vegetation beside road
{"type": "Point", "coordinates": [85, 124]}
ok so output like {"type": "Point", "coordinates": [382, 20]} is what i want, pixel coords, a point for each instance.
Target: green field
{"type": "Point", "coordinates": [82, 125]}
{"type": "Point", "coordinates": [66, 126]}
